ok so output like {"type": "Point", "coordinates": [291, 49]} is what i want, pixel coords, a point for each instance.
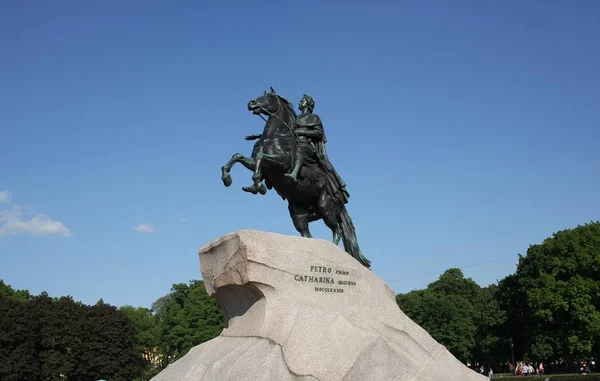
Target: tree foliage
{"type": "Point", "coordinates": [42, 338]}
{"type": "Point", "coordinates": [186, 317]}
{"type": "Point", "coordinates": [145, 327]}
{"type": "Point", "coordinates": [549, 309]}
{"type": "Point", "coordinates": [553, 299]}
{"type": "Point", "coordinates": [458, 313]}
{"type": "Point", "coordinates": [8, 292]}
{"type": "Point", "coordinates": [19, 337]}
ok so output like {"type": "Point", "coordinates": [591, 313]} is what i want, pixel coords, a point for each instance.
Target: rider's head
{"type": "Point", "coordinates": [306, 103]}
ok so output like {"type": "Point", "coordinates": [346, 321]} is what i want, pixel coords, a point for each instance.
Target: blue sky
{"type": "Point", "coordinates": [466, 131]}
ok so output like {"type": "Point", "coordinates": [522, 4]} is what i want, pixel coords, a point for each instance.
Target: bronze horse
{"type": "Point", "coordinates": [309, 199]}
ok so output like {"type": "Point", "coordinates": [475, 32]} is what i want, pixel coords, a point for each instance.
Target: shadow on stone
{"type": "Point", "coordinates": [241, 303]}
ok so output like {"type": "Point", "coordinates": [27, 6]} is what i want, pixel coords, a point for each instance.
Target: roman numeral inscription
{"type": "Point", "coordinates": [329, 280]}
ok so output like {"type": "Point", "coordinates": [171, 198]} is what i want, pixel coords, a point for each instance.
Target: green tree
{"type": "Point", "coordinates": [445, 317]}
{"type": "Point", "coordinates": [186, 317]}
{"type": "Point", "coordinates": [108, 350]}
{"type": "Point", "coordinates": [44, 338]}
{"type": "Point", "coordinates": [146, 337]}
{"type": "Point", "coordinates": [19, 339]}
{"type": "Point", "coordinates": [8, 291]}
{"type": "Point", "coordinates": [61, 330]}
{"type": "Point", "coordinates": [490, 341]}
{"type": "Point", "coordinates": [555, 292]}
{"type": "Point", "coordinates": [459, 314]}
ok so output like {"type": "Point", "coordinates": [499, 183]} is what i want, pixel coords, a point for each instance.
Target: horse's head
{"type": "Point", "coordinates": [268, 103]}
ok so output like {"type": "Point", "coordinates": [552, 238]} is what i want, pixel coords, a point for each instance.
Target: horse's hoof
{"type": "Point", "coordinates": [251, 189]}
{"type": "Point", "coordinates": [337, 236]}
{"type": "Point", "coordinates": [262, 189]}
{"type": "Point", "coordinates": [226, 180]}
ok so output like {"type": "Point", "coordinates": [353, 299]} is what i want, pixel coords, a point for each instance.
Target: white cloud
{"type": "Point", "coordinates": [183, 219]}
{"type": "Point", "coordinates": [144, 228]}
{"type": "Point", "coordinates": [5, 197]}
{"type": "Point", "coordinates": [12, 222]}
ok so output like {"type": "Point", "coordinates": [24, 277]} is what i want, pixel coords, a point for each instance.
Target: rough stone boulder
{"type": "Point", "coordinates": [303, 309]}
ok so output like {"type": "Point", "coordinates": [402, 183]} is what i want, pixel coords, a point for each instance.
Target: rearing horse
{"type": "Point", "coordinates": [308, 198]}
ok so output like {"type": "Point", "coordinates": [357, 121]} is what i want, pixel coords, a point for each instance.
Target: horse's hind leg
{"type": "Point", "coordinates": [329, 211]}
{"type": "Point", "coordinates": [236, 158]}
{"type": "Point", "coordinates": [300, 218]}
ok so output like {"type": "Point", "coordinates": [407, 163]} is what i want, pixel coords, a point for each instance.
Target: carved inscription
{"type": "Point", "coordinates": [337, 278]}
{"type": "Point", "coordinates": [318, 279]}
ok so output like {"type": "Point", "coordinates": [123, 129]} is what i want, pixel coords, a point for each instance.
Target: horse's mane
{"type": "Point", "coordinates": [289, 105]}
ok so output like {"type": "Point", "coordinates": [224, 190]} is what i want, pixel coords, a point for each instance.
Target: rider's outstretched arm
{"type": "Point", "coordinates": [253, 137]}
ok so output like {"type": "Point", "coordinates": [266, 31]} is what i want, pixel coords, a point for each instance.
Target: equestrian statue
{"type": "Point", "coordinates": [290, 156]}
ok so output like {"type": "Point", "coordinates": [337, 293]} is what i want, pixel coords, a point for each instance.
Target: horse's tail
{"type": "Point", "coordinates": [349, 238]}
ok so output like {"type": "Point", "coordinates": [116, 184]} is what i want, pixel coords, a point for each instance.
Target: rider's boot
{"type": "Point", "coordinates": [294, 174]}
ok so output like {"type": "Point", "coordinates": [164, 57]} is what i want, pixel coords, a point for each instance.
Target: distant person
{"type": "Point", "coordinates": [519, 370]}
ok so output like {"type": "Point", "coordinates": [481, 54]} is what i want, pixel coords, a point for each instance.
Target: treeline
{"type": "Point", "coordinates": [44, 338]}
{"type": "Point", "coordinates": [548, 310]}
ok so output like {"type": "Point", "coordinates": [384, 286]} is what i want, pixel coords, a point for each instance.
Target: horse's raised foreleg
{"type": "Point", "coordinates": [258, 186]}
{"type": "Point", "coordinates": [247, 162]}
